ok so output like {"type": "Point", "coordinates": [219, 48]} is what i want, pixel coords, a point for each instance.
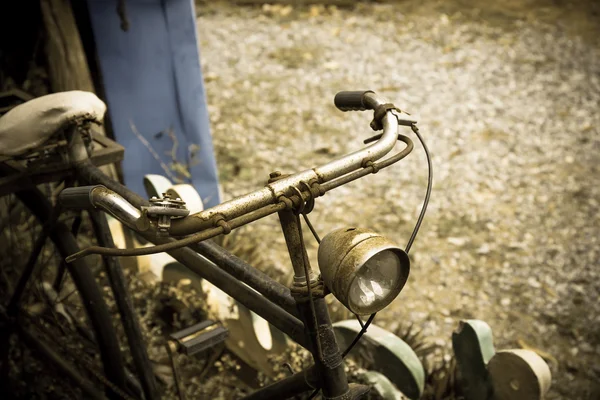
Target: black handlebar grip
{"type": "Point", "coordinates": [351, 100]}
{"type": "Point", "coordinates": [77, 198]}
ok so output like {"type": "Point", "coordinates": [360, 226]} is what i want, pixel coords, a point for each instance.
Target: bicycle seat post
{"type": "Point", "coordinates": [75, 143]}
{"type": "Point", "coordinates": [310, 298]}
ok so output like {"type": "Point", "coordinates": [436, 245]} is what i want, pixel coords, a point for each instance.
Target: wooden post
{"type": "Point", "coordinates": [67, 65]}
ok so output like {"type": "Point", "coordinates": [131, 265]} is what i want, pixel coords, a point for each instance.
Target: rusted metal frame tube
{"type": "Point", "coordinates": [270, 194]}
{"type": "Point", "coordinates": [314, 313]}
{"type": "Point", "coordinates": [129, 317]}
{"type": "Point", "coordinates": [331, 373]}
{"type": "Point", "coordinates": [357, 159]}
{"type": "Point", "coordinates": [296, 250]}
{"type": "Point", "coordinates": [88, 172]}
{"type": "Point", "coordinates": [373, 168]}
{"type": "Point", "coordinates": [247, 296]}
{"type": "Point", "coordinates": [233, 265]}
{"type": "Point", "coordinates": [256, 279]}
{"type": "Point", "coordinates": [91, 296]}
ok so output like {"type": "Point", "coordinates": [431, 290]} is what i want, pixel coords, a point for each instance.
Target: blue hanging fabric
{"type": "Point", "coordinates": [155, 92]}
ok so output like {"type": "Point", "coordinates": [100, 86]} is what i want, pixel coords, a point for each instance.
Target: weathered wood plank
{"type": "Point", "coordinates": [67, 65]}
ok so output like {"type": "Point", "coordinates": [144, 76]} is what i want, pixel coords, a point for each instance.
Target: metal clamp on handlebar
{"type": "Point", "coordinates": [403, 117]}
{"type": "Point", "coordinates": [164, 210]}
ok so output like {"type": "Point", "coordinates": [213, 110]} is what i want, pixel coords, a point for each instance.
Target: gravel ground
{"type": "Point", "coordinates": [508, 100]}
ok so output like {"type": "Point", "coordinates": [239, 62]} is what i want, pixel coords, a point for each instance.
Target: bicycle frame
{"type": "Point", "coordinates": [266, 297]}
{"type": "Point", "coordinates": [300, 311]}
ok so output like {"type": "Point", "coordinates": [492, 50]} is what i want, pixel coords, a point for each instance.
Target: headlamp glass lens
{"type": "Point", "coordinates": [375, 280]}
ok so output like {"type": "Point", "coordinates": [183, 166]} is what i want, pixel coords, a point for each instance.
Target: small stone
{"type": "Point", "coordinates": [285, 11]}
{"type": "Point", "coordinates": [484, 249]}
{"type": "Point", "coordinates": [458, 241]}
{"type": "Point", "coordinates": [586, 347]}
{"type": "Point", "coordinates": [574, 351]}
{"type": "Point", "coordinates": [534, 283]}
{"type": "Point", "coordinates": [209, 77]}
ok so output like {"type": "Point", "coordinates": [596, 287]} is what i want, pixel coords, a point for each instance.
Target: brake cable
{"type": "Point", "coordinates": [309, 288]}
{"type": "Point", "coordinates": [415, 230]}
{"type": "Point", "coordinates": [408, 245]}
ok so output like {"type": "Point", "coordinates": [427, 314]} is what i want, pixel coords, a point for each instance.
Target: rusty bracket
{"type": "Point", "coordinates": [318, 289]}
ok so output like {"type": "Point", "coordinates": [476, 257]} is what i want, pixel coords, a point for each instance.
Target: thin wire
{"type": "Point", "coordinates": [359, 336]}
{"type": "Point", "coordinates": [60, 300]}
{"type": "Point", "coordinates": [312, 228]}
{"type": "Point", "coordinates": [362, 324]}
{"type": "Point", "coordinates": [318, 239]}
{"type": "Point", "coordinates": [308, 286]}
{"type": "Point", "coordinates": [427, 193]}
{"type": "Point", "coordinates": [408, 245]}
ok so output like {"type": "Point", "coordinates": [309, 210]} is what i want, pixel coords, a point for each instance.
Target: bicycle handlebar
{"type": "Point", "coordinates": [289, 191]}
{"type": "Point", "coordinates": [272, 192]}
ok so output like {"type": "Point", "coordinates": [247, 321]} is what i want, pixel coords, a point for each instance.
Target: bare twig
{"type": "Point", "coordinates": [172, 136]}
{"type": "Point", "coordinates": [193, 150]}
{"type": "Point", "coordinates": [177, 166]}
{"type": "Point", "coordinates": [152, 151]}
{"type": "Point", "coordinates": [122, 11]}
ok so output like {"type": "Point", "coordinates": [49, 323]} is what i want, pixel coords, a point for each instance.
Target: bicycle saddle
{"type": "Point", "coordinates": [31, 124]}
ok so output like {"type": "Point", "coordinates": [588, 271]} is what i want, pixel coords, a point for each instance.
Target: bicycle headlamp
{"type": "Point", "coordinates": [364, 270]}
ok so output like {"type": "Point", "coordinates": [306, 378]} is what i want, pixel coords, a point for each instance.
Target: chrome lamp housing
{"type": "Point", "coordinates": [364, 270]}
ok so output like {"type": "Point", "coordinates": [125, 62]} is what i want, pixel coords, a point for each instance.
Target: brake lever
{"type": "Point", "coordinates": [403, 118]}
